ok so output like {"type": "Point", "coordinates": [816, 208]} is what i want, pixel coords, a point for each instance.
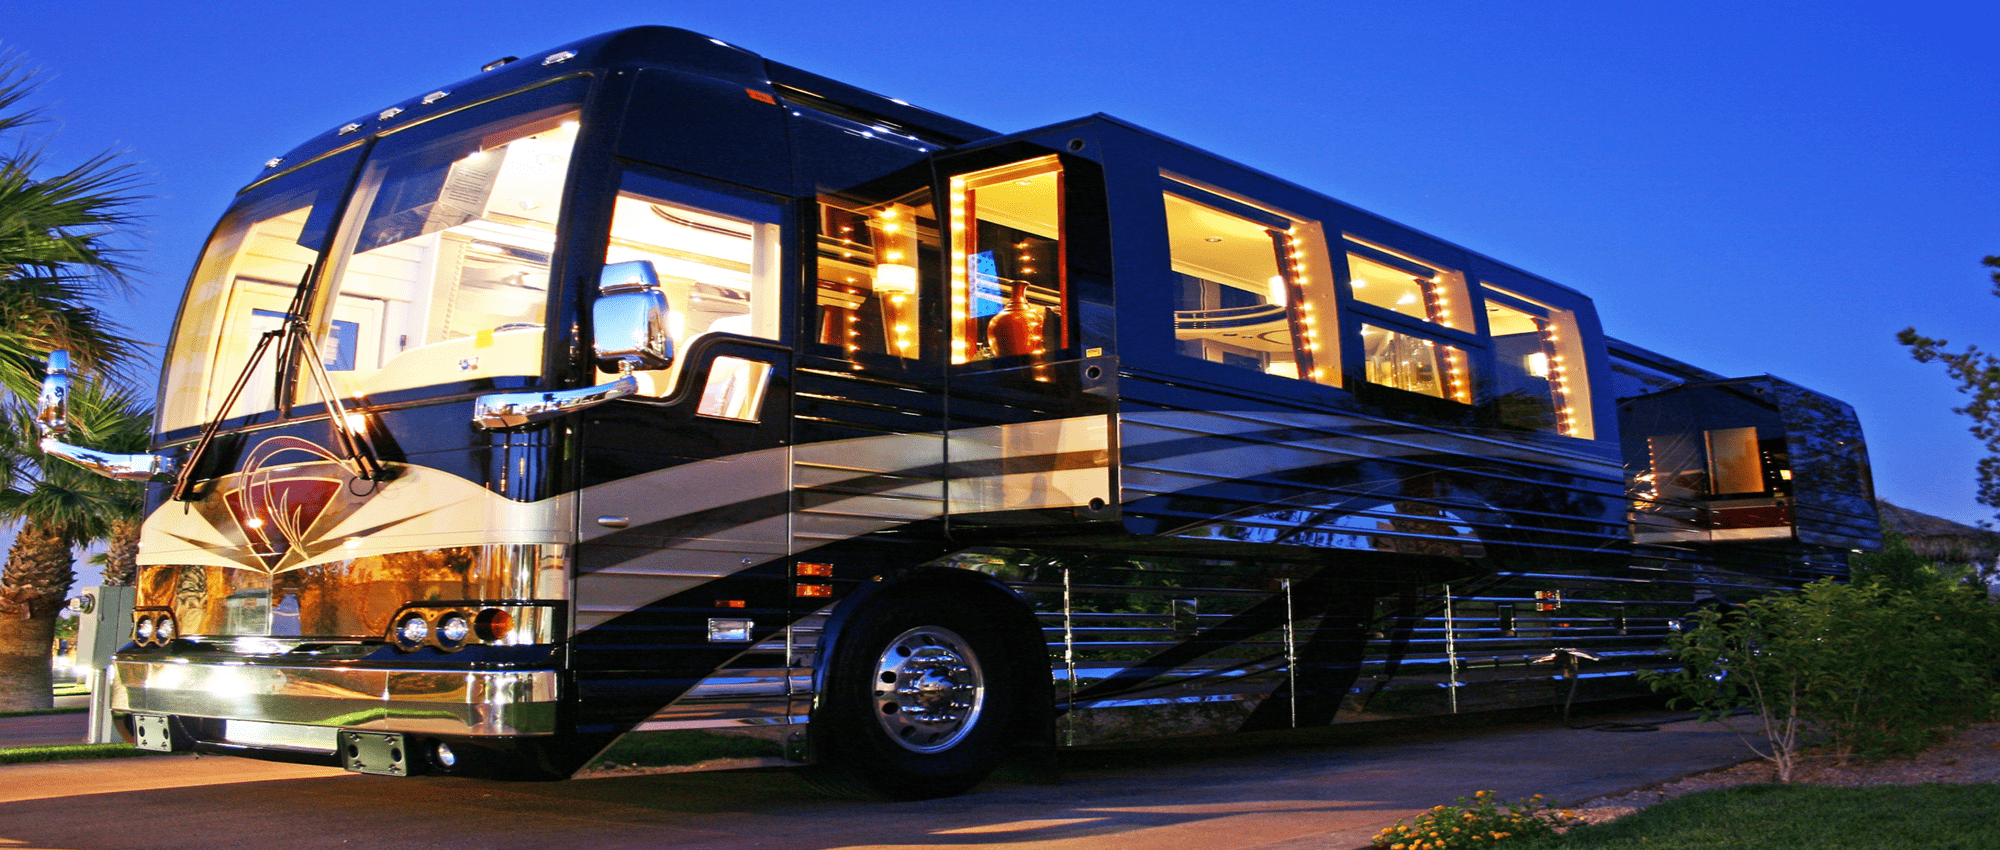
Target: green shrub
{"type": "Point", "coordinates": [1870, 670]}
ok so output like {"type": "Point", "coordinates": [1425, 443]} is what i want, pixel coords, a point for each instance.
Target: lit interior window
{"type": "Point", "coordinates": [1248, 293]}
{"type": "Point", "coordinates": [1008, 283]}
{"type": "Point", "coordinates": [1407, 286]}
{"type": "Point", "coordinates": [870, 259]}
{"type": "Point", "coordinates": [1538, 380]}
{"type": "Point", "coordinates": [1416, 364]}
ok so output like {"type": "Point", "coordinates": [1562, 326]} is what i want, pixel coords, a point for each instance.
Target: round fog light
{"type": "Point", "coordinates": [144, 630]}
{"type": "Point", "coordinates": [454, 628]}
{"type": "Point", "coordinates": [412, 630]}
{"type": "Point", "coordinates": [166, 629]}
{"type": "Point", "coordinates": [443, 755]}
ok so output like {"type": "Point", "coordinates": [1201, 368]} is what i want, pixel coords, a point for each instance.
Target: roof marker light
{"type": "Point", "coordinates": [273, 162]}
{"type": "Point", "coordinates": [435, 96]}
{"type": "Point", "coordinates": [389, 113]}
{"type": "Point", "coordinates": [349, 127]}
{"type": "Point", "coordinates": [499, 63]}
{"type": "Point", "coordinates": [559, 58]}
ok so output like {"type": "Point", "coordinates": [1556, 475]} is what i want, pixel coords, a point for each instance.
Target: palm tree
{"type": "Point", "coordinates": [56, 263]}
{"type": "Point", "coordinates": [59, 506]}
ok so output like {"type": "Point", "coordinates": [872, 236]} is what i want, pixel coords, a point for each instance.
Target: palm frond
{"type": "Point", "coordinates": [59, 252]}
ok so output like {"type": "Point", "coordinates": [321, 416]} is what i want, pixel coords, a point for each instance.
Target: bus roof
{"type": "Point", "coordinates": [646, 46]}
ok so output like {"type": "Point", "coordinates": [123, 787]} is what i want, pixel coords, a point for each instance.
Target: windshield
{"type": "Point", "coordinates": [440, 267]}
{"type": "Point", "coordinates": [445, 276]}
{"type": "Point", "coordinates": [253, 266]}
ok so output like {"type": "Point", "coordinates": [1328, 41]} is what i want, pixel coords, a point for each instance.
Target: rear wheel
{"type": "Point", "coordinates": [917, 702]}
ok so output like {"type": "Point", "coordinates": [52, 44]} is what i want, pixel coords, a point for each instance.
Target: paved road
{"type": "Point", "coordinates": [1324, 790]}
{"type": "Point", "coordinates": [37, 730]}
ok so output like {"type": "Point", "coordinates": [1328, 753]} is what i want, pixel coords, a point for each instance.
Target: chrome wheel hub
{"type": "Point", "coordinates": [928, 689]}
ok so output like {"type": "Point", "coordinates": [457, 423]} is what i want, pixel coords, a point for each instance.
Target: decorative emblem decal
{"type": "Point", "coordinates": [282, 507]}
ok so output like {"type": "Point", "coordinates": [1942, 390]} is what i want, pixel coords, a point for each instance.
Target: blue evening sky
{"type": "Point", "coordinates": [1751, 187]}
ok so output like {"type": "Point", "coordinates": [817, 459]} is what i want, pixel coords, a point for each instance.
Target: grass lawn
{"type": "Point", "coordinates": [1934, 817]}
{"type": "Point", "coordinates": [64, 752]}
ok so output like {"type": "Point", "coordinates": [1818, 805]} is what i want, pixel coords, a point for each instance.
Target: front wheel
{"type": "Point", "coordinates": [917, 702]}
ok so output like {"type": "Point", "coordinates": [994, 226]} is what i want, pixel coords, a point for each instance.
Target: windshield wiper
{"type": "Point", "coordinates": [294, 337]}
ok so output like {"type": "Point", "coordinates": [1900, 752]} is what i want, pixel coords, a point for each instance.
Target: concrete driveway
{"type": "Point", "coordinates": [1323, 789]}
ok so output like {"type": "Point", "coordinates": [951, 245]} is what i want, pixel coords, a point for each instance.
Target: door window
{"type": "Point", "coordinates": [1009, 283]}
{"type": "Point", "coordinates": [715, 253]}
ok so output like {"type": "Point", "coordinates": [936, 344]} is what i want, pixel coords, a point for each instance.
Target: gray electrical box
{"type": "Point", "coordinates": [104, 623]}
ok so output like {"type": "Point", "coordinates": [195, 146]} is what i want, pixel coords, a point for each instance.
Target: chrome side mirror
{"type": "Point", "coordinates": [630, 319]}
{"type": "Point", "coordinates": [629, 322]}
{"type": "Point", "coordinates": [52, 420]}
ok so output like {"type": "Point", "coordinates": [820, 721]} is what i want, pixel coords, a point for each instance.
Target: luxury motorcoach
{"type": "Point", "coordinates": [647, 402]}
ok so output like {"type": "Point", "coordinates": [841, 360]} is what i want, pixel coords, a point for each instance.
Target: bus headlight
{"type": "Point", "coordinates": [412, 631]}
{"type": "Point", "coordinates": [142, 632]}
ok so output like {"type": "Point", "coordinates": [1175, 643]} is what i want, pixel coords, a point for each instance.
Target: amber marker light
{"type": "Point", "coordinates": [814, 590]}
{"type": "Point", "coordinates": [492, 625]}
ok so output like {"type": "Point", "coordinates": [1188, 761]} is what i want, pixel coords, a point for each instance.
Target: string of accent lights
{"type": "Point", "coordinates": [1558, 379]}
{"type": "Point", "coordinates": [961, 310]}
{"type": "Point", "coordinates": [1457, 388]}
{"type": "Point", "coordinates": [1295, 283]}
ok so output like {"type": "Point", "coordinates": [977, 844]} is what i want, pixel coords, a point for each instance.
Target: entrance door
{"type": "Point", "coordinates": [685, 507]}
{"type": "Point", "coordinates": [1031, 429]}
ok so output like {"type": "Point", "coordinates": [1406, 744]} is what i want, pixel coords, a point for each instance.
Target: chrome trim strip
{"type": "Point", "coordinates": [512, 410]}
{"type": "Point", "coordinates": [434, 702]}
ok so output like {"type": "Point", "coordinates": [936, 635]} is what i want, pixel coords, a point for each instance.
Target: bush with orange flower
{"type": "Point", "coordinates": [1483, 820]}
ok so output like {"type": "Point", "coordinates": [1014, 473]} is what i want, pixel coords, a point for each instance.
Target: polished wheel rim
{"type": "Point", "coordinates": [928, 689]}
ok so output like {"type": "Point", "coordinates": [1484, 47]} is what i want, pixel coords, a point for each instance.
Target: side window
{"type": "Point", "coordinates": [716, 256]}
{"type": "Point", "coordinates": [1538, 382]}
{"type": "Point", "coordinates": [1405, 301]}
{"type": "Point", "coordinates": [1246, 293]}
{"type": "Point", "coordinates": [1406, 285]}
{"type": "Point", "coordinates": [1415, 364]}
{"type": "Point", "coordinates": [871, 256]}
{"type": "Point", "coordinates": [1009, 278]}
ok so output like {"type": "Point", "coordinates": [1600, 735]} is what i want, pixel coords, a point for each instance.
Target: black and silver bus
{"type": "Point", "coordinates": [647, 402]}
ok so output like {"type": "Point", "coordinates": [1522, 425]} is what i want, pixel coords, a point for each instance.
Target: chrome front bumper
{"type": "Point", "coordinates": [425, 702]}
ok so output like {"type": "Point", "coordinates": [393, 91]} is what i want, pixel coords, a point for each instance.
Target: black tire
{"type": "Point", "coordinates": [918, 700]}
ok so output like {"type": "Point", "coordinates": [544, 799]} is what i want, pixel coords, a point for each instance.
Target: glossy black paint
{"type": "Point", "coordinates": [1488, 517]}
